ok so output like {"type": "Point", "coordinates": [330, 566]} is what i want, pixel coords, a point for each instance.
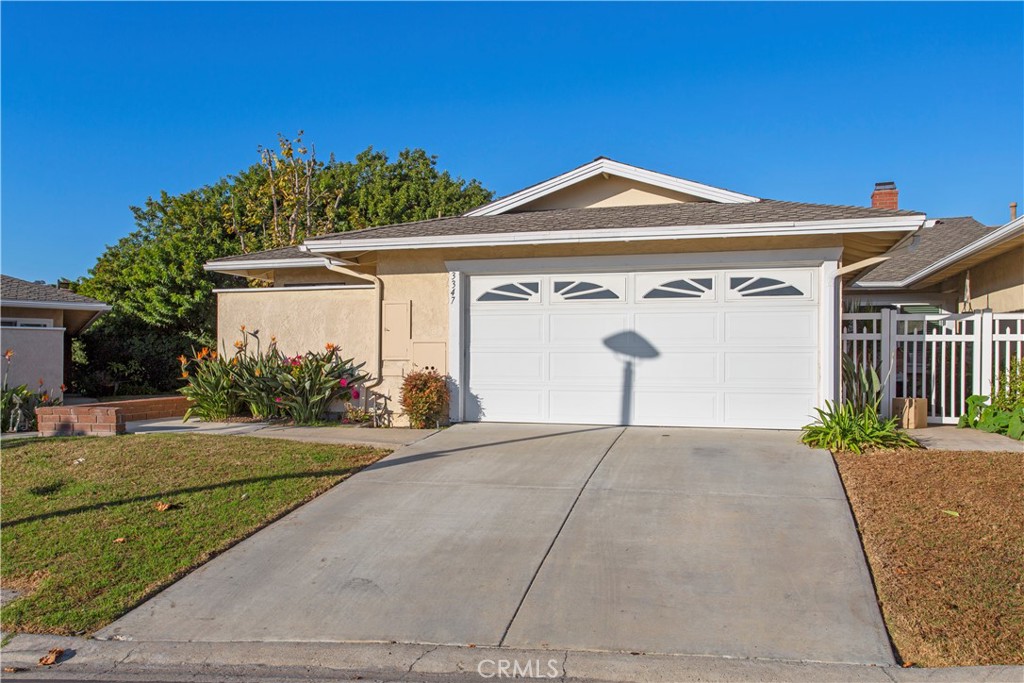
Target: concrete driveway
{"type": "Point", "coordinates": [681, 541]}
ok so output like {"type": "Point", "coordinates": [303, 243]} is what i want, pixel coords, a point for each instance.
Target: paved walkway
{"type": "Point", "coordinates": [674, 541]}
{"type": "Point", "coordinates": [339, 434]}
{"type": "Point", "coordinates": [950, 438]}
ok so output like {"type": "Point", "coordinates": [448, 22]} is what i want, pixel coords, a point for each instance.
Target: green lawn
{"type": "Point", "coordinates": [82, 534]}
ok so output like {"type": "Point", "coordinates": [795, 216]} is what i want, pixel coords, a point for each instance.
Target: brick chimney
{"type": "Point", "coordinates": [885, 196]}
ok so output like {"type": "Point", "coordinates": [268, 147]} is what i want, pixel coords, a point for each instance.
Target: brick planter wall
{"type": "Point", "coordinates": [106, 419]}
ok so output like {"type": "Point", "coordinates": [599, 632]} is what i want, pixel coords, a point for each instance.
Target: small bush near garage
{"type": "Point", "coordinates": [942, 532]}
{"type": "Point", "coordinates": [844, 427]}
{"type": "Point", "coordinates": [425, 398]}
{"type": "Point", "coordinates": [267, 384]}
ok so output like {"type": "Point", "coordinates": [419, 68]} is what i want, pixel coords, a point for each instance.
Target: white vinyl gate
{"type": "Point", "coordinates": [940, 357]}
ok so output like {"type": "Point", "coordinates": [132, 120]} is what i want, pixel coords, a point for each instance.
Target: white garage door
{"type": "Point", "coordinates": [689, 348]}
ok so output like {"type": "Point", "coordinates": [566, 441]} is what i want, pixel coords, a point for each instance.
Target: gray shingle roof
{"type": "Point", "coordinates": [942, 239]}
{"type": "Point", "coordinates": [13, 289]}
{"type": "Point", "coordinates": [269, 255]}
{"type": "Point", "coordinates": [625, 217]}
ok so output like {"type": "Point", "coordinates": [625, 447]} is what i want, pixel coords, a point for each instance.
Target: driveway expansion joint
{"type": "Point", "coordinates": [533, 579]}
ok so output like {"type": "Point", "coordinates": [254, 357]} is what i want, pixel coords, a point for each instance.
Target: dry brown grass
{"type": "Point", "coordinates": [944, 535]}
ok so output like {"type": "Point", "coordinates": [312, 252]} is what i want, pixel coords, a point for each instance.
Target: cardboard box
{"type": "Point", "coordinates": [913, 412]}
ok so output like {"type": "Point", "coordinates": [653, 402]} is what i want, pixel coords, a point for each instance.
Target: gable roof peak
{"type": "Point", "coordinates": [603, 165]}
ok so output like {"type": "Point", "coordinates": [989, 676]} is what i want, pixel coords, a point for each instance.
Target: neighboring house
{"type": "Point", "coordinates": [38, 322]}
{"type": "Point", "coordinates": [607, 295]}
{"type": "Point", "coordinates": [956, 265]}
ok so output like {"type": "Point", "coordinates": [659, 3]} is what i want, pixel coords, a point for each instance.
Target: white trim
{"type": "Point", "coordinates": [634, 263]}
{"type": "Point", "coordinates": [31, 322]}
{"type": "Point", "coordinates": [303, 288]}
{"type": "Point", "coordinates": [457, 311]}
{"type": "Point", "coordinates": [274, 264]}
{"type": "Point", "coordinates": [601, 166]}
{"type": "Point", "coordinates": [71, 306]}
{"type": "Point", "coordinates": [675, 232]}
{"type": "Point", "coordinates": [34, 329]}
{"type": "Point", "coordinates": [1006, 232]}
{"type": "Point", "coordinates": [829, 314]}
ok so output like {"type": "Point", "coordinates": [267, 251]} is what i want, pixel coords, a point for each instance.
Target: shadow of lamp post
{"type": "Point", "coordinates": [629, 346]}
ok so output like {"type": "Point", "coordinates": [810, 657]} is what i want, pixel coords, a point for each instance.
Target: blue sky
{"type": "Point", "coordinates": [106, 104]}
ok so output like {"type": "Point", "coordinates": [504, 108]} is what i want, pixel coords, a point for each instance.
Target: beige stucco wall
{"type": "Point", "coordinates": [309, 276]}
{"type": "Point", "coordinates": [38, 355]}
{"type": "Point", "coordinates": [302, 320]}
{"type": "Point", "coordinates": [54, 314]}
{"type": "Point", "coordinates": [999, 283]}
{"type": "Point", "coordinates": [611, 191]}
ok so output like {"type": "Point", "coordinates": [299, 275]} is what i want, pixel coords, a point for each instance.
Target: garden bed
{"type": "Point", "coordinates": [84, 535]}
{"type": "Point", "coordinates": [942, 531]}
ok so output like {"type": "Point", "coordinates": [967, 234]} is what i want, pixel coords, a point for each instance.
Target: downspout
{"type": "Point", "coordinates": [378, 290]}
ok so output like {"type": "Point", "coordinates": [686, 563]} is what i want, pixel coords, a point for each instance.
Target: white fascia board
{"type": "Point", "coordinates": [275, 264]}
{"type": "Point", "coordinates": [71, 306]}
{"type": "Point", "coordinates": [812, 257]}
{"type": "Point", "coordinates": [1001, 234]}
{"type": "Point", "coordinates": [616, 168]}
{"type": "Point", "coordinates": [777, 229]}
{"type": "Point", "coordinates": [299, 288]}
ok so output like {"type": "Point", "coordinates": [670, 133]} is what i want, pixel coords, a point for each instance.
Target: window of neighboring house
{"type": "Point", "coordinates": [26, 322]}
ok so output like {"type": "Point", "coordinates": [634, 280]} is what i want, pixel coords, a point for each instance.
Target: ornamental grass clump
{"type": "Point", "coordinates": [266, 383]}
{"type": "Point", "coordinates": [425, 398]}
{"type": "Point", "coordinates": [844, 427]}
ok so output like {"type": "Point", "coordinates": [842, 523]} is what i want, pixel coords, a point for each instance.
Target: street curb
{"type": "Point", "coordinates": [172, 661]}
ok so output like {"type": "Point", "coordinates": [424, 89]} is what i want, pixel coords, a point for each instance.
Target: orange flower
{"type": "Point", "coordinates": [63, 387]}
{"type": "Point", "coordinates": [46, 397]}
{"type": "Point", "coordinates": [203, 353]}
{"type": "Point", "coordinates": [242, 328]}
{"type": "Point", "coordinates": [182, 359]}
{"type": "Point", "coordinates": [213, 355]}
{"type": "Point", "coordinates": [184, 374]}
{"type": "Point", "coordinates": [239, 344]}
{"type": "Point", "coordinates": [8, 353]}
{"type": "Point", "coordinates": [273, 339]}
{"type": "Point", "coordinates": [329, 347]}
{"type": "Point", "coordinates": [257, 372]}
{"type": "Point", "coordinates": [41, 381]}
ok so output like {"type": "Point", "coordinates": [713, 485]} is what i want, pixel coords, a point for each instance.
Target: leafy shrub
{"type": "Point", "coordinates": [18, 404]}
{"type": "Point", "coordinates": [844, 427]}
{"type": "Point", "coordinates": [210, 387]}
{"type": "Point", "coordinates": [992, 418]}
{"type": "Point", "coordinates": [1010, 392]}
{"type": "Point", "coordinates": [425, 398]}
{"type": "Point", "coordinates": [267, 383]}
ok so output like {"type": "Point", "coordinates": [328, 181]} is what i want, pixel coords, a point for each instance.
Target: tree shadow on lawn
{"type": "Point", "coordinates": [176, 492]}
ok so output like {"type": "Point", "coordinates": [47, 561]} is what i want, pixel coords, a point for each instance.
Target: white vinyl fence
{"type": "Point", "coordinates": [940, 357]}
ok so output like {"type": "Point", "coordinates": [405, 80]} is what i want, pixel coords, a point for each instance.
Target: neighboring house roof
{"type": "Point", "coordinates": [15, 292]}
{"type": "Point", "coordinates": [934, 243]}
{"type": "Point", "coordinates": [606, 166]}
{"type": "Point", "coordinates": [281, 254]}
{"type": "Point", "coordinates": [960, 244]}
{"type": "Point", "coordinates": [621, 218]}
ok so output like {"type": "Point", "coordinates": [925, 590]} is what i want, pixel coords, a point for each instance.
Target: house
{"type": "Point", "coordinates": [610, 294]}
{"type": "Point", "coordinates": [958, 265]}
{"type": "Point", "coordinates": [38, 322]}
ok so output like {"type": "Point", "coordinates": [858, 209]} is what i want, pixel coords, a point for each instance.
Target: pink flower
{"type": "Point", "coordinates": [355, 393]}
{"type": "Point", "coordinates": [277, 400]}
{"type": "Point", "coordinates": [343, 382]}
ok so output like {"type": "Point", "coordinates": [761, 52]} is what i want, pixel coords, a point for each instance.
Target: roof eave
{"type": "Point", "coordinates": [774, 229]}
{"type": "Point", "coordinates": [234, 267]}
{"type": "Point", "coordinates": [70, 305]}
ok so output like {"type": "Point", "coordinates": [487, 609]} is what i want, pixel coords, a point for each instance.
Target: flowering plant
{"type": "Point", "coordinates": [18, 404]}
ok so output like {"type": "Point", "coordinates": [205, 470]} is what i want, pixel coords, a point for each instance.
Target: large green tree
{"type": "Point", "coordinates": [163, 299]}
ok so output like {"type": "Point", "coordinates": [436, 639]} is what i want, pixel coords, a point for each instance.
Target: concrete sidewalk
{"type": "Point", "coordinates": [333, 434]}
{"type": "Point", "coordinates": [172, 662]}
{"type": "Point", "coordinates": [950, 438]}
